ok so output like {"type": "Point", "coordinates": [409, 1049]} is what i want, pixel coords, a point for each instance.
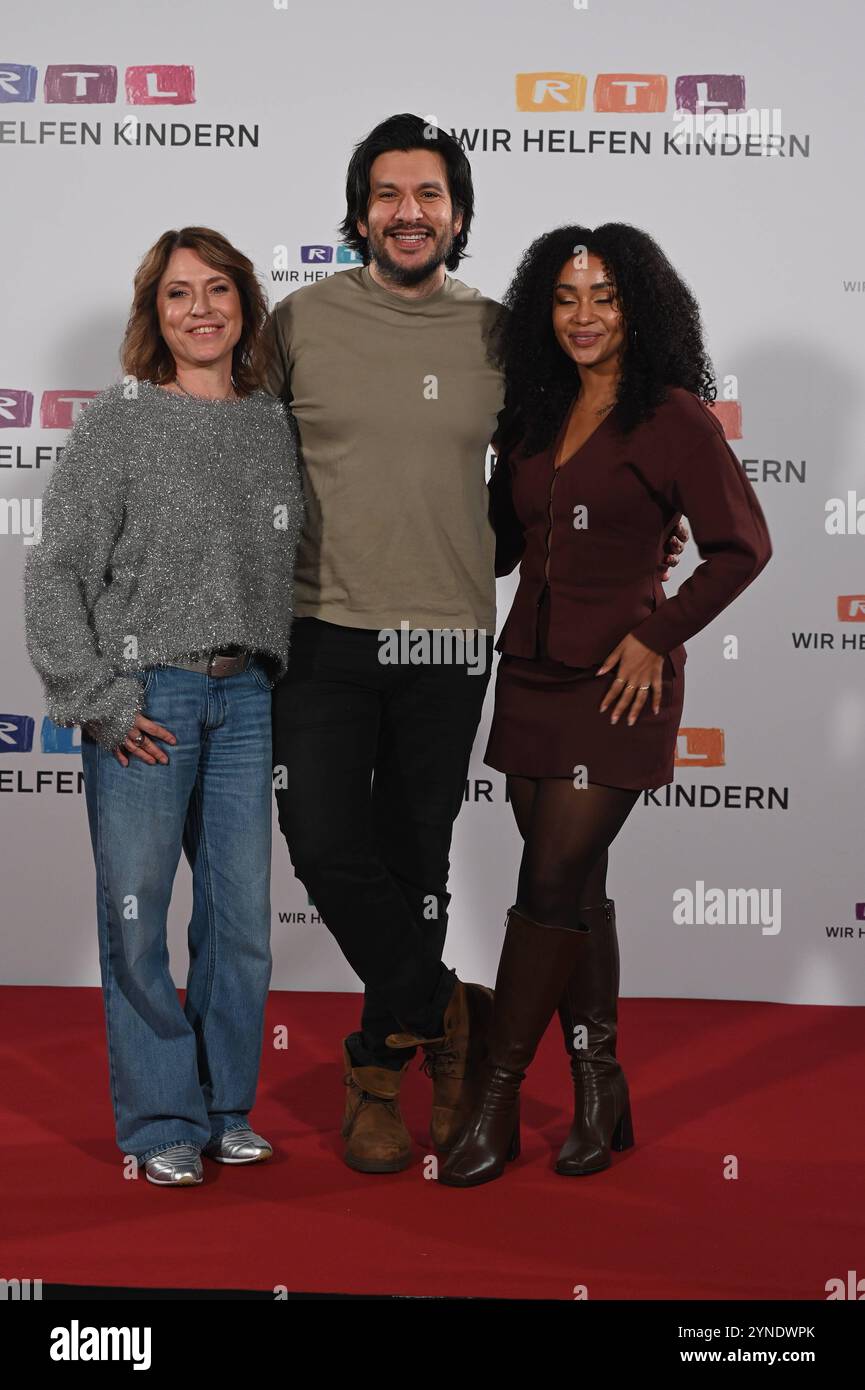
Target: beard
{"type": "Point", "coordinates": [440, 248]}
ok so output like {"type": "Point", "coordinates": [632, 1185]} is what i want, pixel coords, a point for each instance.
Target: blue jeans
{"type": "Point", "coordinates": [185, 1075]}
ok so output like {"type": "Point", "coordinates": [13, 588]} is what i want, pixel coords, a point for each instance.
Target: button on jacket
{"type": "Point", "coordinates": [601, 521]}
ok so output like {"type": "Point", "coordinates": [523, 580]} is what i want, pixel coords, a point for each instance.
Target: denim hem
{"type": "Point", "coordinates": [229, 1129]}
{"type": "Point", "coordinates": [162, 1148]}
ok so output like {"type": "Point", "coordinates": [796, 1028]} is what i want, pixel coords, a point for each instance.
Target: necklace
{"type": "Point", "coordinates": [192, 397]}
{"type": "Point", "coordinates": [603, 410]}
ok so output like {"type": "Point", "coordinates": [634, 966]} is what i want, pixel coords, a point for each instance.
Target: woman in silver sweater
{"type": "Point", "coordinates": [158, 610]}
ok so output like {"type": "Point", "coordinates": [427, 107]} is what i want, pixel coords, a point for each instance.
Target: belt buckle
{"type": "Point", "coordinates": [214, 657]}
{"type": "Point", "coordinates": [220, 656]}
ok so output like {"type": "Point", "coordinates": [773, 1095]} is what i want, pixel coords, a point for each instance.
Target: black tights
{"type": "Point", "coordinates": [566, 834]}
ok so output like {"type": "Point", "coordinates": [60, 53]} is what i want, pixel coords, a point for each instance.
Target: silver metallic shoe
{"type": "Point", "coordinates": [239, 1146]}
{"type": "Point", "coordinates": [179, 1166]}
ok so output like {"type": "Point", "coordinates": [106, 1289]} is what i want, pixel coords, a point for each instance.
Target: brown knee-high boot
{"type": "Point", "coordinates": [535, 963]}
{"type": "Point", "coordinates": [588, 1007]}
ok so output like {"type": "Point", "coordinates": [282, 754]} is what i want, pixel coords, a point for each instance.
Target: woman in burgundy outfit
{"type": "Point", "coordinates": [607, 441]}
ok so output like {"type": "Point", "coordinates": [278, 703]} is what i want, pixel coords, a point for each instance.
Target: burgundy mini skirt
{"type": "Point", "coordinates": [546, 722]}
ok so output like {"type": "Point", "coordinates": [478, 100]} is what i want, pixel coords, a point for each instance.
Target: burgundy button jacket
{"type": "Point", "coordinates": [612, 506]}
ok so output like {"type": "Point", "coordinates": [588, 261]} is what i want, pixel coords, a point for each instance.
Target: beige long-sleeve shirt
{"type": "Point", "coordinates": [395, 401]}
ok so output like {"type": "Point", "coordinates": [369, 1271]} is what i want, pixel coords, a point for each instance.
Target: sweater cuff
{"type": "Point", "coordinates": [110, 718]}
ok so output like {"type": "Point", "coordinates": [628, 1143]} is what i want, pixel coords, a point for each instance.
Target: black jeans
{"type": "Point", "coordinates": [375, 758]}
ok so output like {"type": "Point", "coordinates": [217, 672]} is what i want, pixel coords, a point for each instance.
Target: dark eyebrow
{"type": "Point", "coordinates": [427, 183]}
{"type": "Point", "coordinates": [208, 281]}
{"type": "Point", "coordinates": [601, 285]}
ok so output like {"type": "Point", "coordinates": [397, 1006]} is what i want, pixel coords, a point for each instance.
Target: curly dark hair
{"type": "Point", "coordinates": [407, 132]}
{"type": "Point", "coordinates": [664, 337]}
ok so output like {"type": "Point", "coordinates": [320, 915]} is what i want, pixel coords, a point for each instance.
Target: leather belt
{"type": "Point", "coordinates": [217, 663]}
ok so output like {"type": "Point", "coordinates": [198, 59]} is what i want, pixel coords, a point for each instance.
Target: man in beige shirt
{"type": "Point", "coordinates": [389, 371]}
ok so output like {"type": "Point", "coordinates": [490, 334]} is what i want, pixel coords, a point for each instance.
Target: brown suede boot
{"type": "Point", "coordinates": [455, 1060]}
{"type": "Point", "coordinates": [602, 1106]}
{"type": "Point", "coordinates": [377, 1140]}
{"type": "Point", "coordinates": [535, 963]}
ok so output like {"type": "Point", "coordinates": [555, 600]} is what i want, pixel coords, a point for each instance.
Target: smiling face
{"type": "Point", "coordinates": [410, 222]}
{"type": "Point", "coordinates": [586, 320]}
{"type": "Point", "coordinates": [199, 308]}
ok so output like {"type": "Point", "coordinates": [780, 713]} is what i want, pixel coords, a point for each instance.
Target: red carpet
{"type": "Point", "coordinates": [778, 1087]}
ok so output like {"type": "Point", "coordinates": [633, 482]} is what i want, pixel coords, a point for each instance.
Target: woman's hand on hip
{"type": "Point", "coordinates": [147, 750]}
{"type": "Point", "coordinates": [639, 672]}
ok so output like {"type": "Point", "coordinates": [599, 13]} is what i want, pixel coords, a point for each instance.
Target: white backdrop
{"type": "Point", "coordinates": [258, 108]}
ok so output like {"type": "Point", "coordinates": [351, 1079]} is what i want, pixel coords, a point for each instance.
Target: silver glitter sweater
{"type": "Point", "coordinates": [169, 526]}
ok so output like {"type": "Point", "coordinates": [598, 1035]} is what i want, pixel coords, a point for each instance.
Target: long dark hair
{"type": "Point", "coordinates": [664, 337]}
{"type": "Point", "coordinates": [407, 132]}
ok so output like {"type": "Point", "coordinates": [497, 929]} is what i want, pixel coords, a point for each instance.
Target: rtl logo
{"type": "Point", "coordinates": [630, 93]}
{"type": "Point", "coordinates": [730, 415]}
{"type": "Point", "coordinates": [95, 84]}
{"type": "Point", "coordinates": [58, 410]}
{"type": "Point", "coordinates": [16, 735]}
{"type": "Point", "coordinates": [851, 608]}
{"type": "Point", "coordinates": [700, 748]}
{"type": "Point", "coordinates": [323, 255]}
